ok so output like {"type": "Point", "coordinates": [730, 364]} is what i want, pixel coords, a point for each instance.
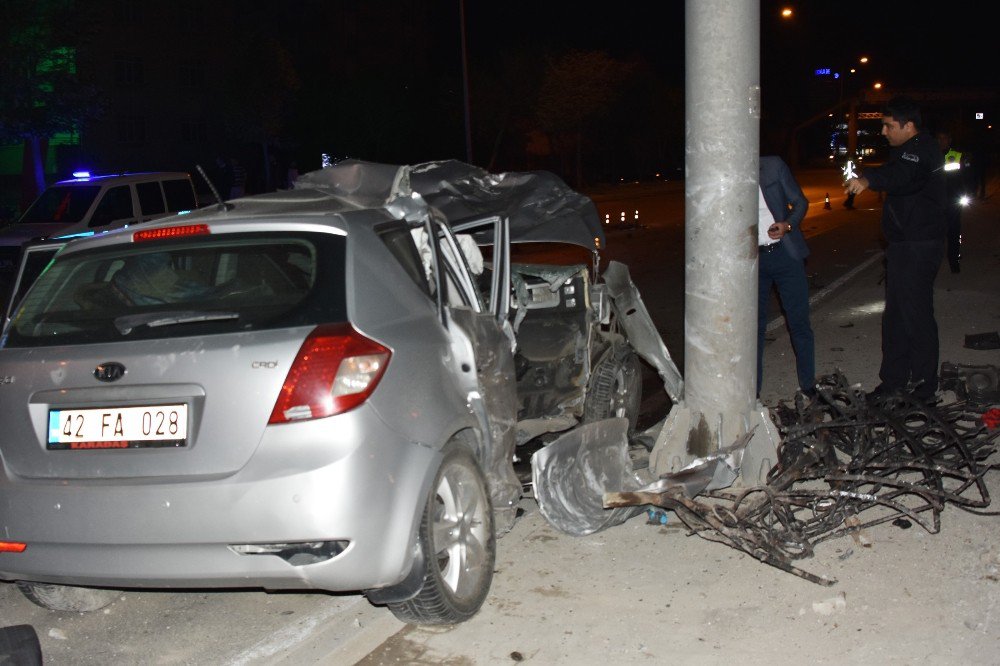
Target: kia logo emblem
{"type": "Point", "coordinates": [109, 372]}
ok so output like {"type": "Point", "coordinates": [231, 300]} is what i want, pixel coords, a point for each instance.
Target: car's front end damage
{"type": "Point", "coordinates": [572, 327]}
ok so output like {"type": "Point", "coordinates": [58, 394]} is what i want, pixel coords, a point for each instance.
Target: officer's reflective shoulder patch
{"type": "Point", "coordinates": [911, 157]}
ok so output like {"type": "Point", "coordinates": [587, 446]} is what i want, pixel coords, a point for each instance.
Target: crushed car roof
{"type": "Point", "coordinates": [541, 207]}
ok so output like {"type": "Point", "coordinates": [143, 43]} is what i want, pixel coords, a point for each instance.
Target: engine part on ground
{"type": "Point", "coordinates": [977, 384]}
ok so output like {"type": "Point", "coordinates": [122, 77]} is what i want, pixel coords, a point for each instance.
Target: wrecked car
{"type": "Point", "coordinates": [317, 389]}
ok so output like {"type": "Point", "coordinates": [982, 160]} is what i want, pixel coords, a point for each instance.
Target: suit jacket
{"type": "Point", "coordinates": [785, 200]}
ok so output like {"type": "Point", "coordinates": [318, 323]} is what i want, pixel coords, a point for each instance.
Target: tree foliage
{"type": "Point", "coordinates": [40, 92]}
{"type": "Point", "coordinates": [578, 89]}
{"type": "Point", "coordinates": [259, 89]}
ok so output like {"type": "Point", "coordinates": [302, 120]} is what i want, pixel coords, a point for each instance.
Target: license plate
{"type": "Point", "coordinates": [118, 427]}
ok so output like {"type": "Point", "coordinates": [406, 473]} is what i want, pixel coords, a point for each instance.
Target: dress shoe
{"type": "Point", "coordinates": [880, 392]}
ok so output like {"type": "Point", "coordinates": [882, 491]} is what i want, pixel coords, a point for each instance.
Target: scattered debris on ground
{"type": "Point", "coordinates": [847, 462]}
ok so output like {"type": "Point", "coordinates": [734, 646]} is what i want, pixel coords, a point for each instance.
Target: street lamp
{"type": "Point", "coordinates": [852, 115]}
{"type": "Point", "coordinates": [863, 60]}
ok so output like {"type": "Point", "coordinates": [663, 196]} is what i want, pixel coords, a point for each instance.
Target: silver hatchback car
{"type": "Point", "coordinates": [315, 389]}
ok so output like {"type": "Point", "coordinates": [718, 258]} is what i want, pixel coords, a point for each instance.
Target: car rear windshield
{"type": "Point", "coordinates": [61, 203]}
{"type": "Point", "coordinates": [199, 285]}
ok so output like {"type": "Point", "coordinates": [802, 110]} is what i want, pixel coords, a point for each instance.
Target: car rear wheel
{"type": "Point", "coordinates": [615, 388]}
{"type": "Point", "coordinates": [458, 544]}
{"type": "Point", "coordinates": [66, 597]}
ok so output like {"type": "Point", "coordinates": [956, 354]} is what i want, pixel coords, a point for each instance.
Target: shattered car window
{"type": "Point", "coordinates": [399, 241]}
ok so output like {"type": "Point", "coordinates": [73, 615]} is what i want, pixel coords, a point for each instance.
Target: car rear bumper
{"type": "Point", "coordinates": [302, 485]}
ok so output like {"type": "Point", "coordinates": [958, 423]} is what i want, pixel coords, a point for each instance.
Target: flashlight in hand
{"type": "Point", "coordinates": [849, 171]}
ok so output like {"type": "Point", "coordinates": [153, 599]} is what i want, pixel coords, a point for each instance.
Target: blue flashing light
{"type": "Point", "coordinates": [82, 234]}
{"type": "Point", "coordinates": [81, 174]}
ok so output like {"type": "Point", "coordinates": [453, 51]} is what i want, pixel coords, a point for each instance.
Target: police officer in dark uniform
{"type": "Point", "coordinates": [913, 223]}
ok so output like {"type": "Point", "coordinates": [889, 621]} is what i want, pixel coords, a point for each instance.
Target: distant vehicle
{"type": "Point", "coordinates": [86, 204]}
{"type": "Point", "coordinates": [320, 388]}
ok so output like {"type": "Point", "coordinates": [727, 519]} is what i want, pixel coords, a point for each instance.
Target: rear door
{"type": "Point", "coordinates": [180, 195]}
{"type": "Point", "coordinates": [151, 202]}
{"type": "Point", "coordinates": [116, 207]}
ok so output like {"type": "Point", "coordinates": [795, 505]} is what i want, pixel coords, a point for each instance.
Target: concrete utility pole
{"type": "Point", "coordinates": [722, 57]}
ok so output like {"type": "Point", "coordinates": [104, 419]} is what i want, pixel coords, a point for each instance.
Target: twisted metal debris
{"type": "Point", "coordinates": [846, 463]}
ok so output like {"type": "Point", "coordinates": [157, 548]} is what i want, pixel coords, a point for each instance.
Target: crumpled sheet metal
{"type": "Point", "coordinates": [846, 463]}
{"type": "Point", "coordinates": [541, 207]}
{"type": "Point", "coordinates": [571, 475]}
{"type": "Point", "coordinates": [642, 334]}
{"type": "Point", "coordinates": [712, 472]}
{"type": "Point", "coordinates": [528, 429]}
{"type": "Point", "coordinates": [496, 407]}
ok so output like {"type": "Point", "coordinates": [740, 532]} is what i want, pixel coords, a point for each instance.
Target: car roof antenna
{"type": "Point", "coordinates": [218, 199]}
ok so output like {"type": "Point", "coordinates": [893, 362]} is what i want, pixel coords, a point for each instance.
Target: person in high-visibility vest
{"type": "Point", "coordinates": [956, 170]}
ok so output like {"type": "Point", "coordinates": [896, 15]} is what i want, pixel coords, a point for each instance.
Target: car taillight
{"type": "Point", "coordinates": [335, 370]}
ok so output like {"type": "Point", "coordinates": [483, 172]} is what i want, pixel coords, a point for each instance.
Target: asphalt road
{"type": "Point", "coordinates": [240, 627]}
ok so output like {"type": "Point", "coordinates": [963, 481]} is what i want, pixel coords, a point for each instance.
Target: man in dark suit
{"type": "Point", "coordinates": [782, 254]}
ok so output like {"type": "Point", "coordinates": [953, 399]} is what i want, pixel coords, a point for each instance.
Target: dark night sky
{"type": "Point", "coordinates": [915, 44]}
{"type": "Point", "coordinates": [912, 45]}
{"type": "Point", "coordinates": [381, 79]}
{"type": "Point", "coordinates": [654, 30]}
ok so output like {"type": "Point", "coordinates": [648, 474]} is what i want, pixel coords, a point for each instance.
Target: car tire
{"type": "Point", "coordinates": [19, 645]}
{"type": "Point", "coordinates": [458, 543]}
{"type": "Point", "coordinates": [615, 388]}
{"type": "Point", "coordinates": [67, 597]}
